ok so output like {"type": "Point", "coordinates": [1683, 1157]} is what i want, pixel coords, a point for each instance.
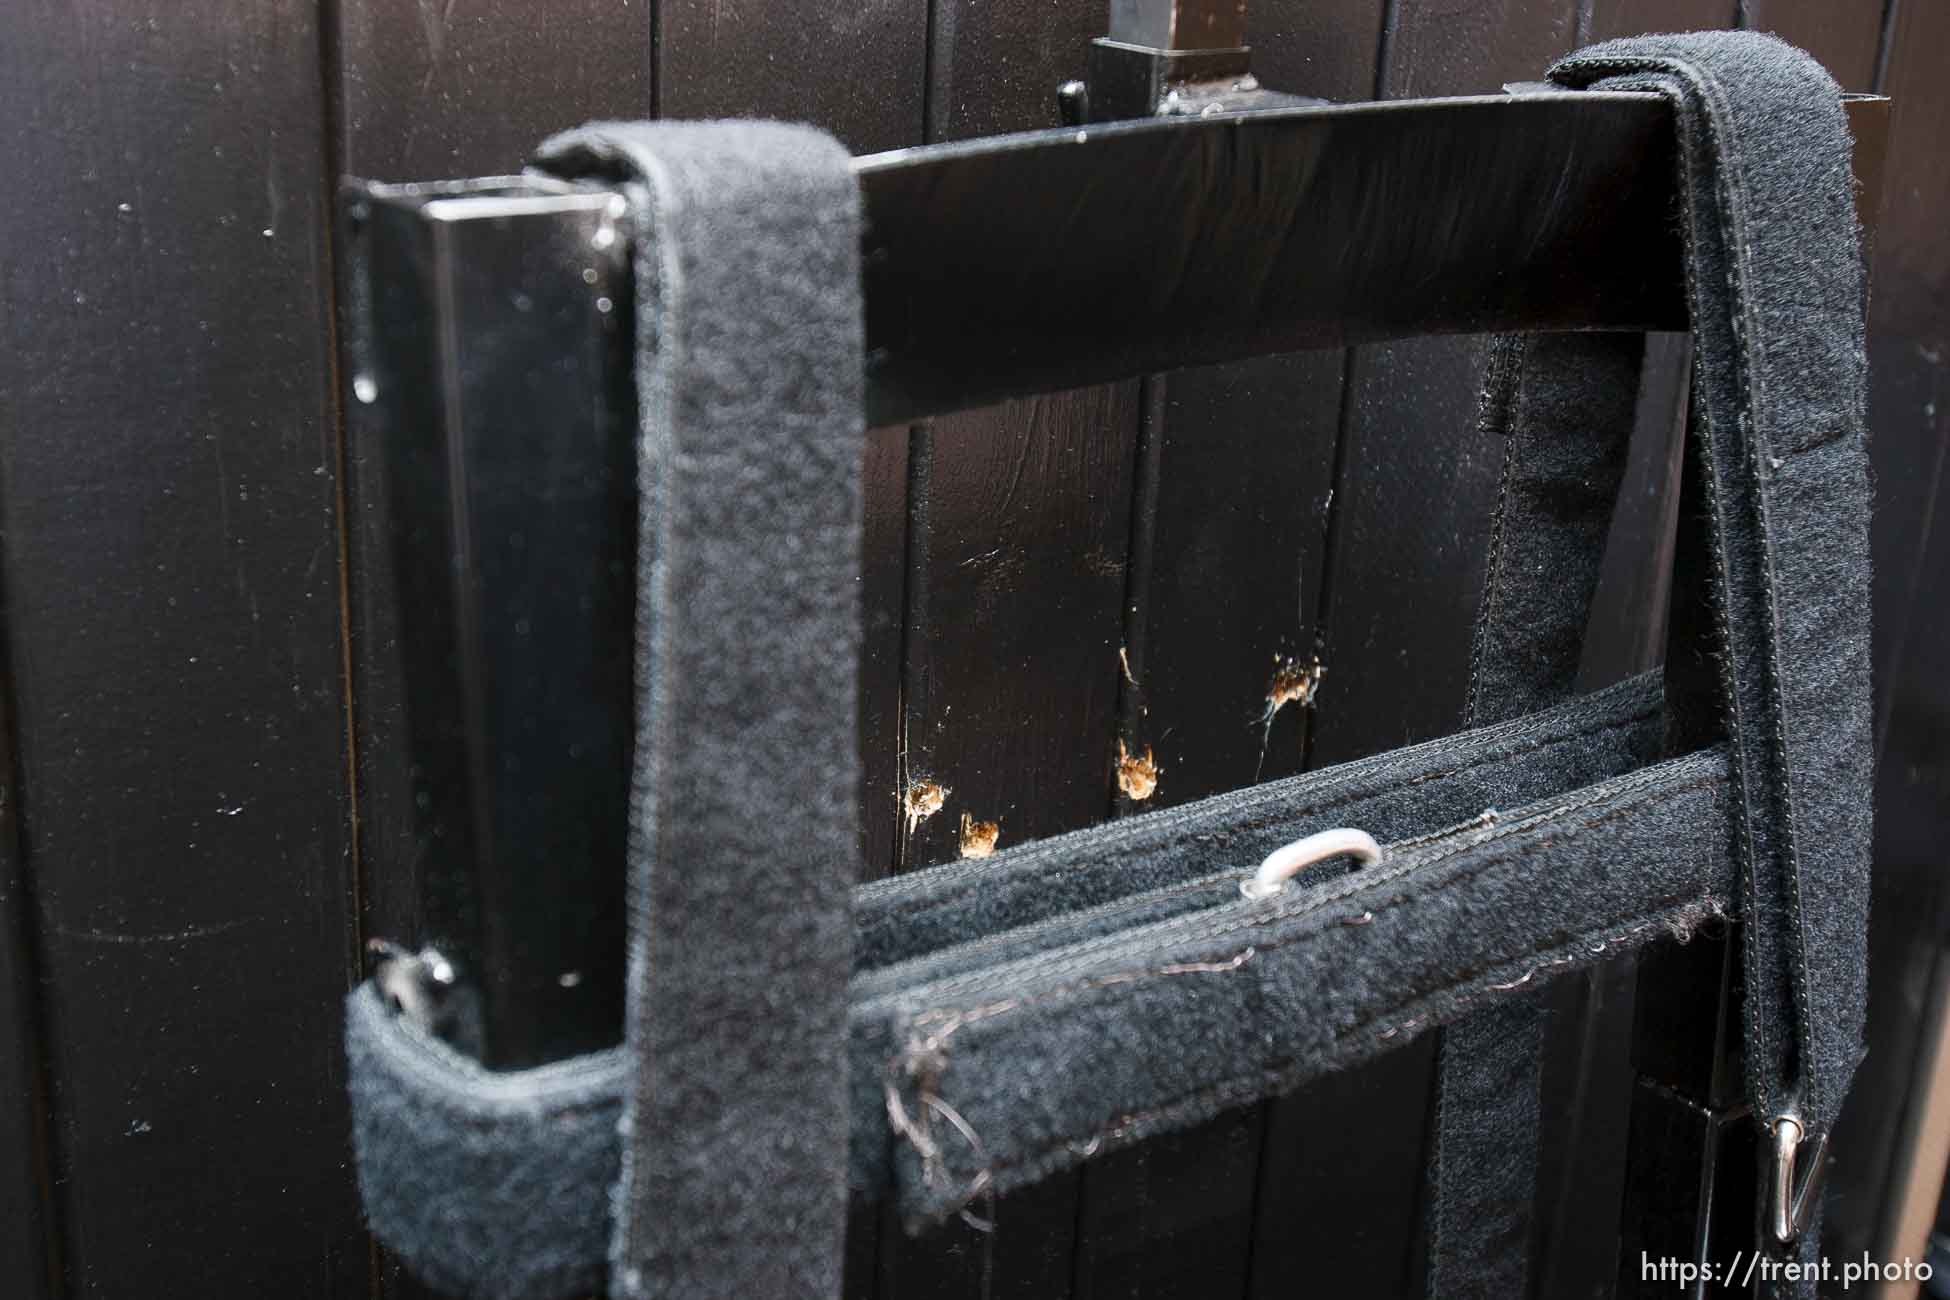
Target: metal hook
{"type": "Point", "coordinates": [1791, 1191]}
{"type": "Point", "coordinates": [1282, 864]}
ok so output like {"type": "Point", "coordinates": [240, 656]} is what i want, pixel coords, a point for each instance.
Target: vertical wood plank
{"type": "Point", "coordinates": [1235, 469]}
{"type": "Point", "coordinates": [1011, 705]}
{"type": "Point", "coordinates": [432, 91]}
{"type": "Point", "coordinates": [1605, 19]}
{"type": "Point", "coordinates": [168, 463]}
{"type": "Point", "coordinates": [1909, 396]}
{"type": "Point", "coordinates": [853, 69]}
{"type": "Point", "coordinates": [1843, 34]}
{"type": "Point", "coordinates": [1020, 516]}
{"type": "Point", "coordinates": [1340, 1192]}
{"type": "Point", "coordinates": [30, 1255]}
{"type": "Point", "coordinates": [1015, 653]}
{"type": "Point", "coordinates": [883, 590]}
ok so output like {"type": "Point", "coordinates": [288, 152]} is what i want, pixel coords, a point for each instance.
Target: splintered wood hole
{"type": "Point", "coordinates": [921, 800]}
{"type": "Point", "coordinates": [978, 838]}
{"type": "Point", "coordinates": [1292, 684]}
{"type": "Point", "coordinates": [1137, 774]}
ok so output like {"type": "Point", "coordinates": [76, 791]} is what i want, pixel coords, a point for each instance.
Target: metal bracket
{"type": "Point", "coordinates": [1170, 58]}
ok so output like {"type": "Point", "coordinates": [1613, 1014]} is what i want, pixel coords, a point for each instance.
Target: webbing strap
{"type": "Point", "coordinates": [1564, 407]}
{"type": "Point", "coordinates": [743, 828]}
{"type": "Point", "coordinates": [1774, 277]}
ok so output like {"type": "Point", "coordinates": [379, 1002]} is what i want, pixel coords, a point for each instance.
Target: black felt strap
{"type": "Point", "coordinates": [1563, 406]}
{"type": "Point", "coordinates": [743, 845]}
{"type": "Point", "coordinates": [1774, 276]}
{"type": "Point", "coordinates": [498, 1185]}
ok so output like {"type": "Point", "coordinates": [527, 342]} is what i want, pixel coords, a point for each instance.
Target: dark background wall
{"type": "Point", "coordinates": [198, 828]}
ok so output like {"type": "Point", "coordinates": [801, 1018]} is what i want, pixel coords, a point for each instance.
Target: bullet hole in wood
{"type": "Point", "coordinates": [1292, 684]}
{"type": "Point", "coordinates": [978, 838]}
{"type": "Point", "coordinates": [921, 800]}
{"type": "Point", "coordinates": [1137, 774]}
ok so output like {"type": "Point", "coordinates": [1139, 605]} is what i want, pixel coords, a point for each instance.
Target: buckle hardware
{"type": "Point", "coordinates": [1791, 1187]}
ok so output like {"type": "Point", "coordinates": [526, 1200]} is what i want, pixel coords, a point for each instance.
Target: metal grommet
{"type": "Point", "coordinates": [1283, 864]}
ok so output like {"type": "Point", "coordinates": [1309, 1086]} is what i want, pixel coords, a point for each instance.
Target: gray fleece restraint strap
{"type": "Point", "coordinates": [743, 830]}
{"type": "Point", "coordinates": [1563, 406]}
{"type": "Point", "coordinates": [1774, 276]}
{"type": "Point", "coordinates": [993, 1076]}
{"type": "Point", "coordinates": [498, 1184]}
{"type": "Point", "coordinates": [993, 1079]}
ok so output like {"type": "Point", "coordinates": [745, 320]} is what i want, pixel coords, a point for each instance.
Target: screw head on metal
{"type": "Point", "coordinates": [1073, 103]}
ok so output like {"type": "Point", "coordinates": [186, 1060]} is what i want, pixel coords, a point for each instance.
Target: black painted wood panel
{"type": "Point", "coordinates": [1019, 517]}
{"type": "Point", "coordinates": [435, 90]}
{"type": "Point", "coordinates": [1844, 34]}
{"type": "Point", "coordinates": [883, 592]}
{"type": "Point", "coordinates": [27, 1226]}
{"type": "Point", "coordinates": [168, 455]}
{"type": "Point", "coordinates": [1909, 396]}
{"type": "Point", "coordinates": [1604, 19]}
{"type": "Point", "coordinates": [853, 69]}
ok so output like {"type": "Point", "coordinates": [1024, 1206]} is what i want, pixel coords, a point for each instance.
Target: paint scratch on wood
{"type": "Point", "coordinates": [166, 936]}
